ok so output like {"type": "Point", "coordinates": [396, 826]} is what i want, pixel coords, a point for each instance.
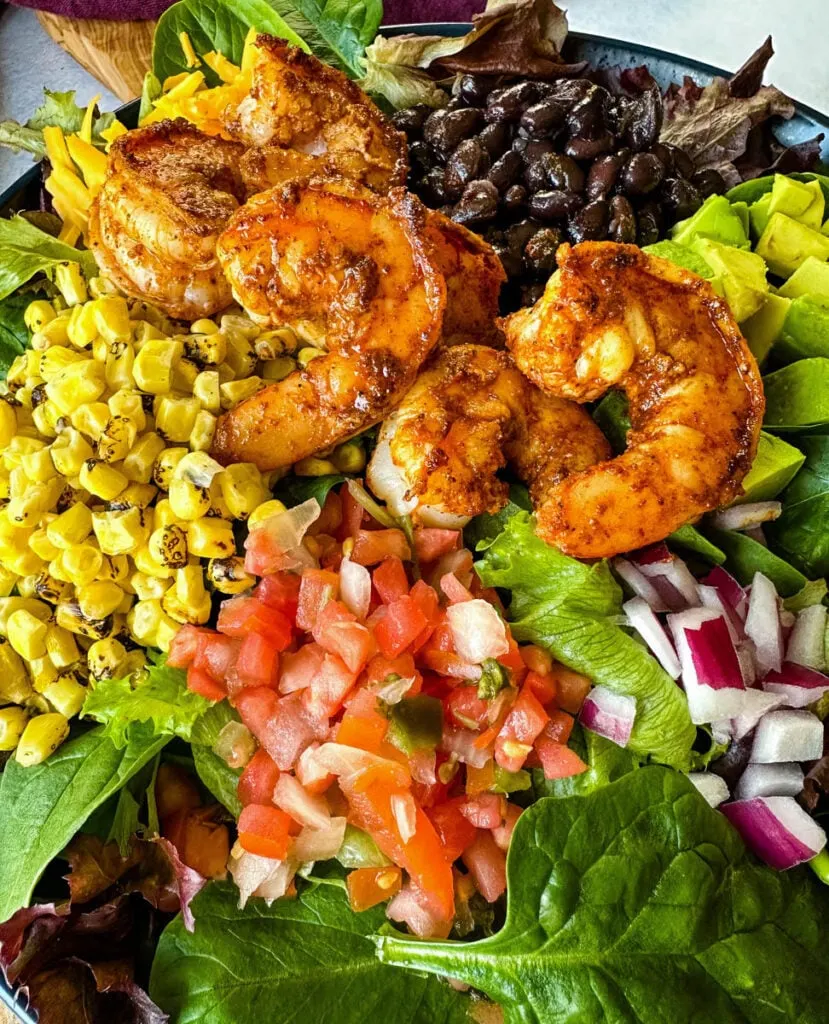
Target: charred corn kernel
{"type": "Point", "coordinates": [99, 599]}
{"type": "Point", "coordinates": [164, 515]}
{"type": "Point", "coordinates": [168, 545]}
{"type": "Point", "coordinates": [42, 673]}
{"type": "Point", "coordinates": [37, 705]}
{"type": "Point", "coordinates": [19, 446]}
{"type": "Point", "coordinates": [117, 439]}
{"type": "Point", "coordinates": [139, 465]}
{"type": "Point", "coordinates": [137, 494]}
{"type": "Point", "coordinates": [242, 489]}
{"type": "Point", "coordinates": [278, 369]}
{"type": "Point", "coordinates": [120, 360]}
{"type": "Point", "coordinates": [38, 466]}
{"type": "Point", "coordinates": [115, 568]}
{"type": "Point", "coordinates": [199, 468]}
{"type": "Point", "coordinates": [225, 372]}
{"type": "Point", "coordinates": [165, 466]}
{"type": "Point", "coordinates": [204, 429]}
{"type": "Point", "coordinates": [184, 375]}
{"type": "Point", "coordinates": [68, 615]}
{"type": "Point", "coordinates": [112, 317]}
{"type": "Point", "coordinates": [176, 417]}
{"type": "Point", "coordinates": [266, 510]}
{"type": "Point", "coordinates": [71, 283]}
{"type": "Point", "coordinates": [218, 506]}
{"type": "Point", "coordinates": [165, 634]}
{"type": "Point", "coordinates": [206, 390]}
{"type": "Point", "coordinates": [26, 586]}
{"type": "Point", "coordinates": [91, 419]}
{"type": "Point", "coordinates": [41, 737]}
{"type": "Point", "coordinates": [102, 480]}
{"type": "Point", "coordinates": [143, 621]}
{"type": "Point", "coordinates": [70, 451]}
{"type": "Point", "coordinates": [181, 612]}
{"type": "Point", "coordinates": [272, 344]}
{"type": "Point", "coordinates": [82, 329]}
{"type": "Point", "coordinates": [76, 385]}
{"type": "Point", "coordinates": [154, 364]}
{"type": "Point", "coordinates": [27, 634]}
{"type": "Point", "coordinates": [241, 355]}
{"type": "Point", "coordinates": [232, 323]}
{"type": "Point", "coordinates": [235, 391]}
{"type": "Point", "coordinates": [81, 563]}
{"type": "Point", "coordinates": [149, 588]}
{"type": "Point", "coordinates": [8, 423]}
{"type": "Point", "coordinates": [37, 314]}
{"type": "Point", "coordinates": [228, 576]}
{"type": "Point", "coordinates": [8, 581]}
{"type": "Point", "coordinates": [206, 348]}
{"type": "Point", "coordinates": [307, 355]}
{"type": "Point", "coordinates": [12, 723]}
{"type": "Point", "coordinates": [61, 647]}
{"type": "Point", "coordinates": [145, 563]}
{"type": "Point", "coordinates": [10, 605]}
{"type": "Point", "coordinates": [187, 500]}
{"type": "Point", "coordinates": [23, 563]}
{"type": "Point", "coordinates": [71, 527]}
{"type": "Point", "coordinates": [18, 371]}
{"type": "Point", "coordinates": [40, 498]}
{"type": "Point", "coordinates": [66, 694]}
{"type": "Point", "coordinates": [211, 538]}
{"type": "Point", "coordinates": [129, 403]}
{"type": "Point", "coordinates": [314, 467]}
{"type": "Point", "coordinates": [349, 457]}
{"type": "Point", "coordinates": [52, 333]}
{"type": "Point", "coordinates": [50, 589]}
{"type": "Point", "coordinates": [135, 662]}
{"type": "Point", "coordinates": [105, 659]}
{"type": "Point", "coordinates": [55, 360]}
{"type": "Point", "coordinates": [120, 531]}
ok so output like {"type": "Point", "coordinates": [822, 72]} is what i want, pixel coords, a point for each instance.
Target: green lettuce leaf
{"type": "Point", "coordinates": [607, 760]}
{"type": "Point", "coordinates": [14, 334]}
{"type": "Point", "coordinates": [747, 556]}
{"type": "Point", "coordinates": [293, 490]}
{"type": "Point", "coordinates": [59, 109]}
{"type": "Point", "coordinates": [568, 607]}
{"type": "Point", "coordinates": [25, 250]}
{"type": "Point", "coordinates": [215, 773]}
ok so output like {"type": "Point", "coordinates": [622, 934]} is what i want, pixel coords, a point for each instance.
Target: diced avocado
{"type": "Point", "coordinates": [763, 329]}
{"type": "Point", "coordinates": [715, 219]}
{"type": "Point", "coordinates": [416, 723]}
{"type": "Point", "coordinates": [743, 275]}
{"type": "Point", "coordinates": [511, 782]}
{"type": "Point", "coordinates": [759, 214]}
{"type": "Point", "coordinates": [786, 243]}
{"type": "Point", "coordinates": [774, 467]}
{"type": "Point", "coordinates": [811, 278]}
{"type": "Point", "coordinates": [806, 330]}
{"type": "Point", "coordinates": [741, 209]}
{"type": "Point", "coordinates": [797, 395]}
{"type": "Point", "coordinates": [800, 200]}
{"type": "Point", "coordinates": [682, 256]}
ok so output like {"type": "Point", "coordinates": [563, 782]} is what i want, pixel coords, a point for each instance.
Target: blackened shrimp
{"type": "Point", "coordinates": [615, 317]}
{"type": "Point", "coordinates": [470, 413]}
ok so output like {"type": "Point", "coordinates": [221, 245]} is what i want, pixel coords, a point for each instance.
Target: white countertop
{"type": "Point", "coordinates": [719, 32]}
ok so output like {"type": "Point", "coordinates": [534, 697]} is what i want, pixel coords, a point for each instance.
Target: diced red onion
{"type": "Point", "coordinates": [710, 597]}
{"type": "Point", "coordinates": [711, 673]}
{"type": "Point", "coordinates": [756, 703]}
{"type": "Point", "coordinates": [730, 590]}
{"type": "Point", "coordinates": [763, 624]}
{"type": "Point", "coordinates": [290, 795]}
{"type": "Point", "coordinates": [797, 685]}
{"type": "Point", "coordinates": [783, 779]}
{"type": "Point", "coordinates": [404, 810]}
{"type": "Point", "coordinates": [410, 907]}
{"type": "Point", "coordinates": [671, 571]}
{"type": "Point", "coordinates": [644, 621]}
{"type": "Point", "coordinates": [653, 554]}
{"type": "Point", "coordinates": [355, 587]}
{"type": "Point", "coordinates": [712, 787]}
{"type": "Point", "coordinates": [285, 532]}
{"type": "Point", "coordinates": [787, 736]}
{"type": "Point", "coordinates": [777, 829]}
{"type": "Point", "coordinates": [640, 584]}
{"type": "Point", "coordinates": [756, 534]}
{"type": "Point", "coordinates": [745, 517]}
{"type": "Point", "coordinates": [807, 642]}
{"type": "Point", "coordinates": [609, 714]}
{"type": "Point", "coordinates": [319, 843]}
{"type": "Point", "coordinates": [478, 631]}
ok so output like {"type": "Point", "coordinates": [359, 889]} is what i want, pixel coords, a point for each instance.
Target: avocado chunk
{"type": "Point", "coordinates": [811, 278]}
{"type": "Point", "coordinates": [716, 219]}
{"type": "Point", "coordinates": [742, 273]}
{"type": "Point", "coordinates": [774, 467]}
{"type": "Point", "coordinates": [786, 243]}
{"type": "Point", "coordinates": [797, 395]}
{"type": "Point", "coordinates": [758, 214]}
{"type": "Point", "coordinates": [416, 723]}
{"type": "Point", "coordinates": [741, 209]}
{"type": "Point", "coordinates": [800, 200]}
{"type": "Point", "coordinates": [763, 329]}
{"type": "Point", "coordinates": [682, 256]}
{"type": "Point", "coordinates": [806, 330]}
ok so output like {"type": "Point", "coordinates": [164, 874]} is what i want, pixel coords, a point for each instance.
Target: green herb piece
{"type": "Point", "coordinates": [416, 723]}
{"type": "Point", "coordinates": [293, 490]}
{"type": "Point", "coordinates": [801, 534]}
{"type": "Point", "coordinates": [745, 557]}
{"type": "Point", "coordinates": [494, 678]}
{"type": "Point", "coordinates": [511, 782]}
{"type": "Point", "coordinates": [42, 807]}
{"type": "Point", "coordinates": [607, 762]}
{"type": "Point", "coordinates": [640, 903]}
{"type": "Point", "coordinates": [567, 607]}
{"type": "Point", "coordinates": [314, 959]}
{"type": "Point", "coordinates": [14, 334]}
{"type": "Point", "coordinates": [26, 250]}
{"type": "Point", "coordinates": [359, 850]}
{"type": "Point", "coordinates": [160, 697]}
{"type": "Point", "coordinates": [214, 772]}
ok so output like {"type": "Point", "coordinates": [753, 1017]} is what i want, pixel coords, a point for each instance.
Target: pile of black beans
{"type": "Point", "coordinates": [531, 164]}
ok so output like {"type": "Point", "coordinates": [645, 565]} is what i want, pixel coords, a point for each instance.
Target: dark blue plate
{"type": "Point", "coordinates": [599, 52]}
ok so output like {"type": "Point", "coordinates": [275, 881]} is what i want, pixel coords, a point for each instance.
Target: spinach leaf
{"type": "Point", "coordinates": [567, 607]}
{"type": "Point", "coordinates": [639, 903]}
{"type": "Point", "coordinates": [690, 539]}
{"type": "Point", "coordinates": [216, 774]}
{"type": "Point", "coordinates": [293, 490]}
{"type": "Point", "coordinates": [797, 396]}
{"type": "Point", "coordinates": [14, 335]}
{"type": "Point", "coordinates": [484, 528]}
{"type": "Point", "coordinates": [42, 807]}
{"type": "Point", "coordinates": [613, 419]}
{"type": "Point", "coordinates": [608, 762]}
{"type": "Point", "coordinates": [26, 250]}
{"type": "Point", "coordinates": [308, 958]}
{"type": "Point", "coordinates": [745, 557]}
{"type": "Point", "coordinates": [338, 31]}
{"type": "Point", "coordinates": [801, 534]}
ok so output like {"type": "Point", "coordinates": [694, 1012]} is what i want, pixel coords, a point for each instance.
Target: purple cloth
{"type": "Point", "coordinates": [396, 11]}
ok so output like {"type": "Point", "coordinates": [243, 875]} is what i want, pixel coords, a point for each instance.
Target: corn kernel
{"type": "Point", "coordinates": [218, 506]}
{"type": "Point", "coordinates": [117, 439]}
{"type": "Point", "coordinates": [61, 647]}
{"type": "Point", "coordinates": [40, 498]}
{"type": "Point", "coordinates": [242, 488]}
{"type": "Point", "coordinates": [75, 385]}
{"type": "Point", "coordinates": [18, 447]}
{"type": "Point", "coordinates": [146, 564]}
{"type": "Point", "coordinates": [228, 576]}
{"type": "Point", "coordinates": [82, 329]}
{"type": "Point", "coordinates": [168, 546]}
{"type": "Point", "coordinates": [307, 355]}
{"type": "Point", "coordinates": [53, 333]}
{"type": "Point", "coordinates": [204, 326]}
{"type": "Point", "coordinates": [241, 355]}
{"type": "Point", "coordinates": [206, 390]}
{"type": "Point", "coordinates": [314, 467]}
{"type": "Point", "coordinates": [102, 480]}
{"type": "Point", "coordinates": [115, 568]}
{"type": "Point", "coordinates": [105, 659]}
{"type": "Point", "coordinates": [26, 586]}
{"type": "Point", "coordinates": [140, 495]}
{"type": "Point", "coordinates": [68, 615]}
{"type": "Point", "coordinates": [225, 372]}
{"type": "Point", "coordinates": [47, 588]}
{"type": "Point", "coordinates": [140, 462]}
{"type": "Point", "coordinates": [38, 466]}
{"type": "Point", "coordinates": [235, 391]}
{"type": "Point", "coordinates": [23, 563]}
{"type": "Point", "coordinates": [38, 314]}
{"type": "Point", "coordinates": [70, 451]}
{"type": "Point", "coordinates": [120, 531]}
{"type": "Point", "coordinates": [120, 360]}
{"type": "Point", "coordinates": [154, 364]}
{"type": "Point", "coordinates": [99, 599]}
{"type": "Point", "coordinates": [80, 564]}
{"type": "Point", "coordinates": [187, 500]}
{"type": "Point", "coordinates": [166, 632]}
{"type": "Point", "coordinates": [10, 605]}
{"type": "Point", "coordinates": [71, 527]}
{"type": "Point", "coordinates": [66, 694]}
{"type": "Point", "coordinates": [129, 403]}
{"type": "Point", "coordinates": [204, 348]}
{"type": "Point", "coordinates": [164, 515]}
{"type": "Point", "coordinates": [27, 634]}
{"type": "Point", "coordinates": [112, 317]}
{"type": "Point", "coordinates": [184, 375]}
{"type": "Point", "coordinates": [273, 344]}
{"type": "Point", "coordinates": [204, 429]}
{"type": "Point", "coordinates": [42, 672]}
{"type": "Point", "coordinates": [56, 359]}
{"type": "Point", "coordinates": [143, 621]}
{"type": "Point", "coordinates": [176, 417]}
{"type": "Point", "coordinates": [211, 538]}
{"type": "Point", "coordinates": [8, 424]}
{"type": "Point", "coordinates": [266, 510]}
{"type": "Point", "coordinates": [349, 457]}
{"type": "Point", "coordinates": [199, 468]}
{"type": "Point", "coordinates": [232, 323]}
{"type": "Point", "coordinates": [91, 419]}
{"type": "Point", "coordinates": [12, 723]}
{"type": "Point", "coordinates": [8, 581]}
{"type": "Point", "coordinates": [71, 283]}
{"type": "Point", "coordinates": [277, 369]}
{"type": "Point", "coordinates": [149, 588]}
{"type": "Point", "coordinates": [165, 466]}
{"type": "Point", "coordinates": [41, 737]}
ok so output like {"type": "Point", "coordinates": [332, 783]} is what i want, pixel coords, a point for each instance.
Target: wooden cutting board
{"type": "Point", "coordinates": [117, 53]}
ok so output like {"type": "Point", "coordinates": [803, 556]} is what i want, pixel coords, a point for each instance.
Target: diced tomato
{"type": "Point", "coordinates": [557, 759]}
{"type": "Point", "coordinates": [201, 841]}
{"type": "Point", "coordinates": [459, 563]}
{"type": "Point", "coordinates": [203, 684]}
{"type": "Point", "coordinates": [390, 580]}
{"type": "Point", "coordinates": [338, 632]}
{"type": "Point", "coordinates": [466, 708]}
{"type": "Point", "coordinates": [503, 834]}
{"type": "Point", "coordinates": [280, 590]}
{"type": "Point", "coordinates": [485, 810]}
{"type": "Point", "coordinates": [372, 546]}
{"type": "Point", "coordinates": [265, 830]}
{"type": "Point", "coordinates": [421, 856]}
{"type": "Point", "coordinates": [298, 668]}
{"type": "Point", "coordinates": [330, 517]}
{"type": "Point", "coordinates": [353, 514]}
{"type": "Point", "coordinates": [380, 668]}
{"type": "Point", "coordinates": [400, 626]}
{"type": "Point", "coordinates": [186, 644]}
{"type": "Point", "coordinates": [536, 659]}
{"type": "Point", "coordinates": [256, 707]}
{"type": "Point", "coordinates": [292, 727]}
{"type": "Point", "coordinates": [522, 725]}
{"type": "Point", "coordinates": [217, 655]}
{"type": "Point", "coordinates": [255, 785]}
{"type": "Point", "coordinates": [318, 587]}
{"type": "Point", "coordinates": [512, 660]}
{"type": "Point", "coordinates": [258, 661]}
{"type": "Point", "coordinates": [455, 591]}
{"type": "Point", "coordinates": [428, 794]}
{"type": "Point", "coordinates": [559, 727]}
{"type": "Point", "coordinates": [362, 724]}
{"type": "Point", "coordinates": [329, 687]}
{"type": "Point", "coordinates": [455, 830]}
{"type": "Point", "coordinates": [571, 688]}
{"type": "Point", "coordinates": [243, 615]}
{"type": "Point", "coordinates": [487, 865]}
{"type": "Point", "coordinates": [427, 600]}
{"type": "Point", "coordinates": [442, 638]}
{"type": "Point", "coordinates": [431, 543]}
{"type": "Point", "coordinates": [543, 688]}
{"type": "Point", "coordinates": [369, 886]}
{"type": "Point", "coordinates": [264, 553]}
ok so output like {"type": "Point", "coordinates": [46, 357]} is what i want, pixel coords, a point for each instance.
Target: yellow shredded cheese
{"type": "Point", "coordinates": [91, 161]}
{"type": "Point", "coordinates": [56, 149]}
{"type": "Point", "coordinates": [225, 69]}
{"type": "Point", "coordinates": [113, 132]}
{"type": "Point", "coordinates": [189, 53]}
{"type": "Point", "coordinates": [86, 128]}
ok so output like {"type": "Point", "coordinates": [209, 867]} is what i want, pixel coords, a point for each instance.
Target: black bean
{"type": "Point", "coordinates": [543, 118]}
{"type": "Point", "coordinates": [505, 170]}
{"type": "Point", "coordinates": [552, 204]}
{"type": "Point", "coordinates": [709, 182]}
{"type": "Point", "coordinates": [444, 129]}
{"type": "Point", "coordinates": [411, 119]}
{"type": "Point", "coordinates": [512, 264]}
{"type": "Point", "coordinates": [540, 250]}
{"type": "Point", "coordinates": [603, 174]}
{"type": "Point", "coordinates": [455, 103]}
{"type": "Point", "coordinates": [508, 104]}
{"type": "Point", "coordinates": [649, 225]}
{"type": "Point", "coordinates": [568, 90]}
{"type": "Point", "coordinates": [665, 155]}
{"type": "Point", "coordinates": [641, 174]}
{"type": "Point", "coordinates": [683, 164]}
{"type": "Point", "coordinates": [679, 198]}
{"type": "Point", "coordinates": [521, 144]}
{"type": "Point", "coordinates": [432, 189]}
{"type": "Point", "coordinates": [589, 223]}
{"type": "Point", "coordinates": [536, 148]}
{"type": "Point", "coordinates": [478, 203]}
{"type": "Point", "coordinates": [421, 158]}
{"type": "Point", "coordinates": [518, 235]}
{"type": "Point", "coordinates": [514, 198]}
{"type": "Point", "coordinates": [646, 121]}
{"type": "Point", "coordinates": [622, 225]}
{"type": "Point", "coordinates": [565, 173]}
{"type": "Point", "coordinates": [474, 89]}
{"type": "Point", "coordinates": [580, 148]}
{"type": "Point", "coordinates": [587, 117]}
{"type": "Point", "coordinates": [495, 138]}
{"type": "Point", "coordinates": [469, 162]}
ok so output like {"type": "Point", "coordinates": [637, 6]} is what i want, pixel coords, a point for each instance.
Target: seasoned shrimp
{"type": "Point", "coordinates": [303, 118]}
{"type": "Point", "coordinates": [351, 271]}
{"type": "Point", "coordinates": [614, 317]}
{"type": "Point", "coordinates": [469, 414]}
{"type": "Point", "coordinates": [168, 193]}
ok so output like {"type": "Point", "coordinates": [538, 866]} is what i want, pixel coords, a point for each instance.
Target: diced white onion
{"type": "Point", "coordinates": [291, 796]}
{"type": "Point", "coordinates": [783, 779]}
{"type": "Point", "coordinates": [745, 517]}
{"type": "Point", "coordinates": [478, 631]}
{"type": "Point", "coordinates": [756, 703]}
{"type": "Point", "coordinates": [405, 814]}
{"type": "Point", "coordinates": [787, 736]}
{"type": "Point", "coordinates": [711, 786]}
{"type": "Point", "coordinates": [807, 642]}
{"type": "Point", "coordinates": [763, 624]}
{"type": "Point", "coordinates": [286, 531]}
{"type": "Point", "coordinates": [640, 584]}
{"type": "Point", "coordinates": [319, 843]}
{"type": "Point", "coordinates": [355, 587]}
{"type": "Point", "coordinates": [250, 871]}
{"type": "Point", "coordinates": [644, 621]}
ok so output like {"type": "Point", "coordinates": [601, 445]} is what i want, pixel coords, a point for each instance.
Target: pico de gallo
{"type": "Point", "coordinates": [393, 710]}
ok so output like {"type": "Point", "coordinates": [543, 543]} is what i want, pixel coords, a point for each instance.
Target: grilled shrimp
{"type": "Point", "coordinates": [351, 271]}
{"type": "Point", "coordinates": [470, 413]}
{"type": "Point", "coordinates": [614, 317]}
{"type": "Point", "coordinates": [168, 193]}
{"type": "Point", "coordinates": [303, 118]}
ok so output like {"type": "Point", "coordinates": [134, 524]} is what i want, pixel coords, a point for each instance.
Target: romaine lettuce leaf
{"type": "Point", "coordinates": [25, 250]}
